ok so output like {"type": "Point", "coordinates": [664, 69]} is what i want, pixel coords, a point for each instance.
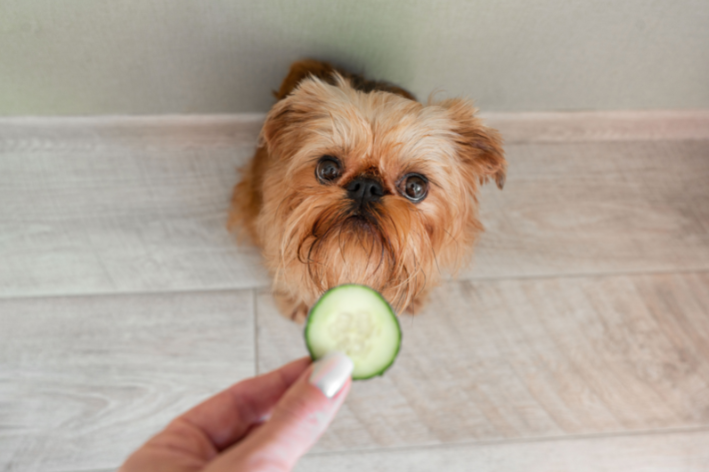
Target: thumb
{"type": "Point", "coordinates": [298, 420]}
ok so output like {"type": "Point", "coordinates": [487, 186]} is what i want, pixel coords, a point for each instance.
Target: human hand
{"type": "Point", "coordinates": [227, 432]}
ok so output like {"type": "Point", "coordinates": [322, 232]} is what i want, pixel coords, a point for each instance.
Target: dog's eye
{"type": "Point", "coordinates": [414, 187]}
{"type": "Point", "coordinates": [328, 169]}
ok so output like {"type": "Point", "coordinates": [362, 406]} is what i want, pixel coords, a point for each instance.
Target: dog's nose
{"type": "Point", "coordinates": [364, 190]}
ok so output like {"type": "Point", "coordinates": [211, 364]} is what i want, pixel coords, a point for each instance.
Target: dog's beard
{"type": "Point", "coordinates": [383, 246]}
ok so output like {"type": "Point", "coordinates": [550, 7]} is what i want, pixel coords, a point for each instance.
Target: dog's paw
{"type": "Point", "coordinates": [417, 304]}
{"type": "Point", "coordinates": [299, 313]}
{"type": "Point", "coordinates": [294, 310]}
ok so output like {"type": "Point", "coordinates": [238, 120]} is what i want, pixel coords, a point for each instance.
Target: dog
{"type": "Point", "coordinates": [354, 181]}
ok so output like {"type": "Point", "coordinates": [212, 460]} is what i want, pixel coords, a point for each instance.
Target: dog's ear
{"type": "Point", "coordinates": [278, 128]}
{"type": "Point", "coordinates": [284, 122]}
{"type": "Point", "coordinates": [281, 125]}
{"type": "Point", "coordinates": [301, 70]}
{"type": "Point", "coordinates": [480, 147]}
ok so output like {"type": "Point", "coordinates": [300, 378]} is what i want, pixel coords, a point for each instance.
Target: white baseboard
{"type": "Point", "coordinates": [526, 127]}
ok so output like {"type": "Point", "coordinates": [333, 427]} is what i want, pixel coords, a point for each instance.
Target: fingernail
{"type": "Point", "coordinates": [331, 372]}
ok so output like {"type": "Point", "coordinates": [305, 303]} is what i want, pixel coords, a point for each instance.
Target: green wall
{"type": "Point", "coordinates": [224, 56]}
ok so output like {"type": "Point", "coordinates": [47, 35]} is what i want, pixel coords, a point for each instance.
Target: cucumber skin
{"type": "Point", "coordinates": [391, 311]}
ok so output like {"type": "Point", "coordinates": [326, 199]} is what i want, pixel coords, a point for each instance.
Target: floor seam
{"type": "Point", "coordinates": [254, 304]}
{"type": "Point", "coordinates": [257, 288]}
{"type": "Point", "coordinates": [512, 441]}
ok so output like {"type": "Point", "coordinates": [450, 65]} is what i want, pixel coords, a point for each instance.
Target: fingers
{"type": "Point", "coordinates": [297, 422]}
{"type": "Point", "coordinates": [225, 418]}
{"type": "Point", "coordinates": [193, 439]}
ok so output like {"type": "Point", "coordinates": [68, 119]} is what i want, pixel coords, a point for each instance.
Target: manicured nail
{"type": "Point", "coordinates": [331, 372]}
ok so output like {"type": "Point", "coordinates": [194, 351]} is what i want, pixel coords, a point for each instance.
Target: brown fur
{"type": "Point", "coordinates": [302, 227]}
{"type": "Point", "coordinates": [325, 71]}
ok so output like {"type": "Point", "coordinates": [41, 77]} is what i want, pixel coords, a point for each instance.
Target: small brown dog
{"type": "Point", "coordinates": [355, 181]}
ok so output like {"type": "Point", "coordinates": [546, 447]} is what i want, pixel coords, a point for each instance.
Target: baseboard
{"type": "Point", "coordinates": [527, 127]}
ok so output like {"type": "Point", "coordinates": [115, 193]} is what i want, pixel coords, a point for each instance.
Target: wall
{"type": "Point", "coordinates": [224, 56]}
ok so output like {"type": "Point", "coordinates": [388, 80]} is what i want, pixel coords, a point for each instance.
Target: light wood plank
{"type": "Point", "coordinates": [140, 206]}
{"type": "Point", "coordinates": [122, 207]}
{"type": "Point", "coordinates": [85, 380]}
{"type": "Point", "coordinates": [528, 359]}
{"type": "Point", "coordinates": [597, 208]}
{"type": "Point", "coordinates": [668, 452]}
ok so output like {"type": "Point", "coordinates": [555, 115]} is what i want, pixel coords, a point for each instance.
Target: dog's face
{"type": "Point", "coordinates": [371, 188]}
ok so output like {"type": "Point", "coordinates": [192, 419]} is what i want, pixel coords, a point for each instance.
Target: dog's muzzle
{"type": "Point", "coordinates": [364, 190]}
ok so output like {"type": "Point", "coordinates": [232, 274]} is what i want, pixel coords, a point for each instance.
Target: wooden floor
{"type": "Point", "coordinates": [577, 341]}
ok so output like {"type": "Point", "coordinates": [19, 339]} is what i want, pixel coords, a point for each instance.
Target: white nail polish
{"type": "Point", "coordinates": [331, 372]}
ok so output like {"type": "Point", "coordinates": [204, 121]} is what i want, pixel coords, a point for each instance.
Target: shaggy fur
{"type": "Point", "coordinates": [310, 238]}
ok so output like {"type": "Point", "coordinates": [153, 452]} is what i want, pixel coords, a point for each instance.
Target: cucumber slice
{"type": "Point", "coordinates": [355, 320]}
